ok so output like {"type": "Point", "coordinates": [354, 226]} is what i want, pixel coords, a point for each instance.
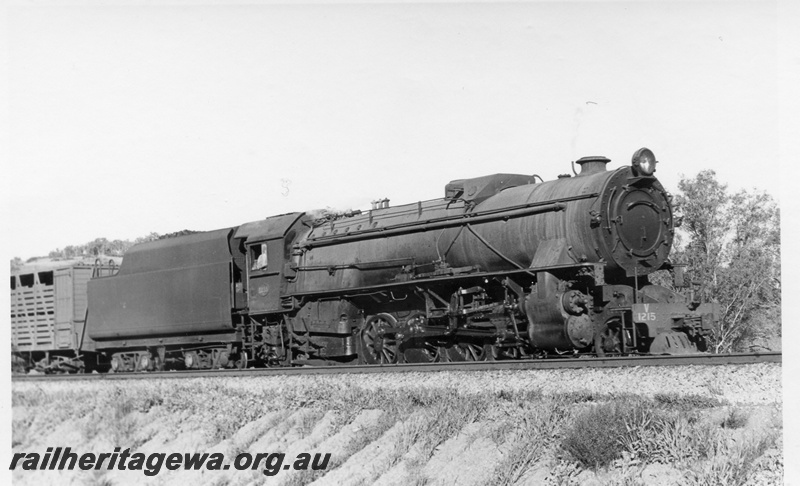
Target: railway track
{"type": "Point", "coordinates": [538, 364]}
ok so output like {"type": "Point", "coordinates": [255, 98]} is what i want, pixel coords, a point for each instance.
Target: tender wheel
{"type": "Point", "coordinates": [190, 360]}
{"type": "Point", "coordinates": [470, 352]}
{"type": "Point", "coordinates": [116, 364]}
{"type": "Point", "coordinates": [241, 363]}
{"type": "Point", "coordinates": [378, 347]}
{"type": "Point", "coordinates": [221, 359]}
{"type": "Point", "coordinates": [144, 363]}
{"type": "Point", "coordinates": [608, 342]}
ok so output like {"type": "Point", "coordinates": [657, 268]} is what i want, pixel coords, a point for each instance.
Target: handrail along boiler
{"type": "Point", "coordinates": [502, 267]}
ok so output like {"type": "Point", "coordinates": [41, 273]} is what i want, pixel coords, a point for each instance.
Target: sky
{"type": "Point", "coordinates": [128, 118]}
{"type": "Point", "coordinates": [121, 118]}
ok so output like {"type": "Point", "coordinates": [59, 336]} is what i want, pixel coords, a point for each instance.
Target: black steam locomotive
{"type": "Point", "coordinates": [503, 267]}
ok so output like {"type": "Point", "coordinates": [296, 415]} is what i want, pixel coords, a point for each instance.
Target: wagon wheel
{"type": "Point", "coordinates": [379, 347]}
{"type": "Point", "coordinates": [470, 352]}
{"type": "Point", "coordinates": [608, 342]}
{"type": "Point", "coordinates": [18, 364]}
{"type": "Point", "coordinates": [43, 365]}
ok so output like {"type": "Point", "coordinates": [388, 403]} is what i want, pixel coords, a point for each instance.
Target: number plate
{"type": "Point", "coordinates": [644, 313]}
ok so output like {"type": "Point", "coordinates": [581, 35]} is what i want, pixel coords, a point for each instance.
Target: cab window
{"type": "Point", "coordinates": [258, 255]}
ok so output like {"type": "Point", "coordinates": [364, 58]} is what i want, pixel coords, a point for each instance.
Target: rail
{"type": "Point", "coordinates": [538, 364]}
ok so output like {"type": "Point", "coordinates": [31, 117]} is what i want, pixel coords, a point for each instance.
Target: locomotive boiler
{"type": "Point", "coordinates": [503, 266]}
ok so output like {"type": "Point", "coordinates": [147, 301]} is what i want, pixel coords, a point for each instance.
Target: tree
{"type": "Point", "coordinates": [704, 202]}
{"type": "Point", "coordinates": [150, 237]}
{"type": "Point", "coordinates": [16, 264]}
{"type": "Point", "coordinates": [733, 253]}
{"type": "Point", "coordinates": [101, 247]}
{"type": "Point", "coordinates": [752, 284]}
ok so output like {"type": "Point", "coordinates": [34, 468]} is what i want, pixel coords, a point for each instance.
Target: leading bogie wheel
{"type": "Point", "coordinates": [609, 341]}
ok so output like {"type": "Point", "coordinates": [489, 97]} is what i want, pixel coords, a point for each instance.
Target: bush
{"type": "Point", "coordinates": [646, 430]}
{"type": "Point", "coordinates": [736, 419]}
{"type": "Point", "coordinates": [599, 434]}
{"type": "Point", "coordinates": [670, 438]}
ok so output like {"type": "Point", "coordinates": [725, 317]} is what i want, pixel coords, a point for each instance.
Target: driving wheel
{"type": "Point", "coordinates": [379, 346]}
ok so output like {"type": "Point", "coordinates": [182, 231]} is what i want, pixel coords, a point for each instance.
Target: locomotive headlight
{"type": "Point", "coordinates": [644, 162]}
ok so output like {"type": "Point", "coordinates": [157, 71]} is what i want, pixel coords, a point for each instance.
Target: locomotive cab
{"type": "Point", "coordinates": [268, 246]}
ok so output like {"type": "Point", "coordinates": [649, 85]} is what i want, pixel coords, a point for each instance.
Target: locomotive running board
{"type": "Point", "coordinates": [594, 270]}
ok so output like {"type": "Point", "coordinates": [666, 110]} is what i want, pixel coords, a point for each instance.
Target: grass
{"type": "Point", "coordinates": [731, 462]}
{"type": "Point", "coordinates": [661, 431]}
{"type": "Point", "coordinates": [302, 478]}
{"type": "Point", "coordinates": [640, 429]}
{"type": "Point", "coordinates": [446, 416]}
{"type": "Point", "coordinates": [365, 437]}
{"type": "Point", "coordinates": [528, 431]}
{"type": "Point", "coordinates": [686, 403]}
{"type": "Point", "coordinates": [565, 434]}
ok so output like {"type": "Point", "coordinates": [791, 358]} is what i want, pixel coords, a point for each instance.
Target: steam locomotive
{"type": "Point", "coordinates": [504, 266]}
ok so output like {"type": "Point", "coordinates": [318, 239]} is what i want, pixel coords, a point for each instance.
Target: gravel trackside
{"type": "Point", "coordinates": [751, 384]}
